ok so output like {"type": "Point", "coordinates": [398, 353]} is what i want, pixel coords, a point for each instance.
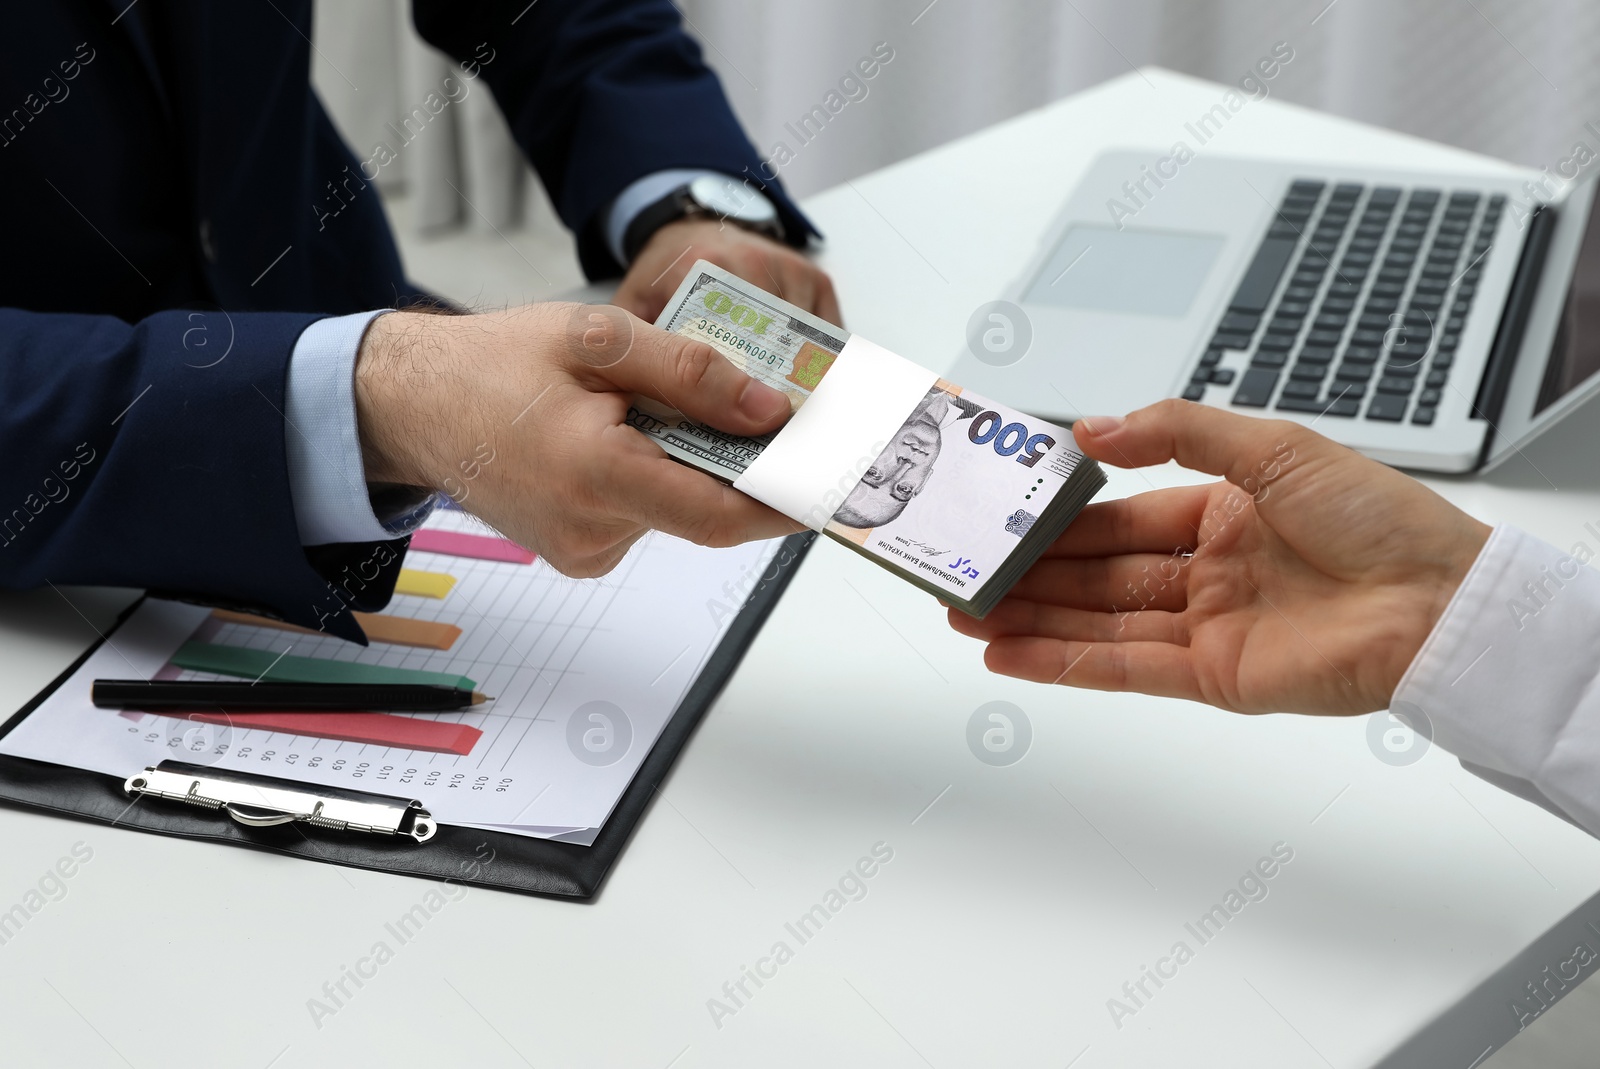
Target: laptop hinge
{"type": "Point", "coordinates": [1496, 381]}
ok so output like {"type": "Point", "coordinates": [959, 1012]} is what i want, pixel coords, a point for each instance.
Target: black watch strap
{"type": "Point", "coordinates": [652, 217]}
{"type": "Point", "coordinates": [676, 205]}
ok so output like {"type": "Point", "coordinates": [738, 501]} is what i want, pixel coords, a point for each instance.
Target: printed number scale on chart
{"type": "Point", "coordinates": [583, 675]}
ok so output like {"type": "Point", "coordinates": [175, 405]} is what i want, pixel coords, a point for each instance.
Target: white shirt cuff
{"type": "Point", "coordinates": [327, 481]}
{"type": "Point", "coordinates": [637, 197]}
{"type": "Point", "coordinates": [1508, 678]}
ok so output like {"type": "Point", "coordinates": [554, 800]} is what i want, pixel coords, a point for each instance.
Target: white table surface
{"type": "Point", "coordinates": [1019, 899]}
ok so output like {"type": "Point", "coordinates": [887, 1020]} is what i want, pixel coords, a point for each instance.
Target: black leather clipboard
{"type": "Point", "coordinates": [465, 855]}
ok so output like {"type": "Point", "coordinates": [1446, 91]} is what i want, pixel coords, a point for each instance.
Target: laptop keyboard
{"type": "Point", "coordinates": [1369, 322]}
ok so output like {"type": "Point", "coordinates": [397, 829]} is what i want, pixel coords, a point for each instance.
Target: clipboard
{"type": "Point", "coordinates": [466, 855]}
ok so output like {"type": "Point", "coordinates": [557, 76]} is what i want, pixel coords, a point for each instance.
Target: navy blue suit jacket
{"type": "Point", "coordinates": [169, 180]}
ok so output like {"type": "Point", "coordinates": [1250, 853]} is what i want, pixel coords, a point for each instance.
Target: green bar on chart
{"type": "Point", "coordinates": [264, 664]}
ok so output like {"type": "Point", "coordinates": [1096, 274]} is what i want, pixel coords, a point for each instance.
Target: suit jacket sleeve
{"type": "Point", "coordinates": [599, 93]}
{"type": "Point", "coordinates": [137, 456]}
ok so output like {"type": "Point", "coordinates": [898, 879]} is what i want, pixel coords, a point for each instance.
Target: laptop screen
{"type": "Point", "coordinates": [1575, 353]}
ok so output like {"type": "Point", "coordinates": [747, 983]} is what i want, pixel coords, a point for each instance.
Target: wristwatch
{"type": "Point", "coordinates": [711, 196]}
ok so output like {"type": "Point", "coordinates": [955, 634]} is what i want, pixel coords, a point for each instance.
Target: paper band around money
{"type": "Point", "coordinates": [821, 454]}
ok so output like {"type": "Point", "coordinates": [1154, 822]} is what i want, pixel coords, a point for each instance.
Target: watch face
{"type": "Point", "coordinates": [732, 199]}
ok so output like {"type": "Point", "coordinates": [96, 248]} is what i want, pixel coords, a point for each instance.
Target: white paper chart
{"type": "Point", "coordinates": [584, 673]}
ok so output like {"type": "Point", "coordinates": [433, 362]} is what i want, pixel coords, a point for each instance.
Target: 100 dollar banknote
{"type": "Point", "coordinates": [765, 337]}
{"type": "Point", "coordinates": [960, 498]}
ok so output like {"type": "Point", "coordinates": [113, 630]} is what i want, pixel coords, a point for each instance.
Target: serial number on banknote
{"type": "Point", "coordinates": [717, 333]}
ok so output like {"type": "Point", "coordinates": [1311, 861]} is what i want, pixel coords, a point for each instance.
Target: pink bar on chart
{"type": "Point", "coordinates": [478, 547]}
{"type": "Point", "coordinates": [377, 729]}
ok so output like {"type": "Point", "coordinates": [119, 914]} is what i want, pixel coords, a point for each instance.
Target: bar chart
{"type": "Point", "coordinates": [240, 655]}
{"type": "Point", "coordinates": [481, 614]}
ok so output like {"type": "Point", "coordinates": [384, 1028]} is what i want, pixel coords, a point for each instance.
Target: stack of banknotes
{"type": "Point", "coordinates": [961, 500]}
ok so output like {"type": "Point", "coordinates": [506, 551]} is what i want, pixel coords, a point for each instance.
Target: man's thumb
{"type": "Point", "coordinates": [697, 380]}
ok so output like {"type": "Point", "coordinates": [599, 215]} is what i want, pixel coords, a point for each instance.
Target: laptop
{"type": "Point", "coordinates": [1432, 321]}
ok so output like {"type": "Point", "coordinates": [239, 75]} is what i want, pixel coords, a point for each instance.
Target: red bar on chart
{"type": "Point", "coordinates": [478, 547]}
{"type": "Point", "coordinates": [377, 729]}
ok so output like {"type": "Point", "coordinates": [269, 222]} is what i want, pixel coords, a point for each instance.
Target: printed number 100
{"type": "Point", "coordinates": [1009, 438]}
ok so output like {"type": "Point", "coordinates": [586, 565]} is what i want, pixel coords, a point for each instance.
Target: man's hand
{"type": "Point", "coordinates": [673, 249]}
{"type": "Point", "coordinates": [1315, 574]}
{"type": "Point", "coordinates": [521, 415]}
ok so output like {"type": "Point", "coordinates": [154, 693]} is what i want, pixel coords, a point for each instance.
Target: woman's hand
{"type": "Point", "coordinates": [1304, 583]}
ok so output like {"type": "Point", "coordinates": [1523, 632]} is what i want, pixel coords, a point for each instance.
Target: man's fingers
{"type": "Point", "coordinates": [637, 301]}
{"type": "Point", "coordinates": [1245, 450]}
{"type": "Point", "coordinates": [828, 300]}
{"type": "Point", "coordinates": [794, 282]}
{"type": "Point", "coordinates": [666, 496]}
{"type": "Point", "coordinates": [1154, 522]}
{"type": "Point", "coordinates": [806, 285]}
{"type": "Point", "coordinates": [1146, 667]}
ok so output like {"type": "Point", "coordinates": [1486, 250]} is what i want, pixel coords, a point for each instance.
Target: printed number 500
{"type": "Point", "coordinates": [1009, 438]}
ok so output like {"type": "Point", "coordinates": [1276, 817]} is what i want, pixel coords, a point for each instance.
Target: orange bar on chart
{"type": "Point", "coordinates": [424, 584]}
{"type": "Point", "coordinates": [376, 729]}
{"type": "Point", "coordinates": [380, 627]}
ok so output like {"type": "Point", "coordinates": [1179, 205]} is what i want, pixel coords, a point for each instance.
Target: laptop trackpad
{"type": "Point", "coordinates": [1134, 272]}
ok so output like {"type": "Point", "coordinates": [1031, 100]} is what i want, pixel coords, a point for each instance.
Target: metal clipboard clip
{"type": "Point", "coordinates": [263, 801]}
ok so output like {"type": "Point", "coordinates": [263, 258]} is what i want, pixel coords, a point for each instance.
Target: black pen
{"type": "Point", "coordinates": [277, 696]}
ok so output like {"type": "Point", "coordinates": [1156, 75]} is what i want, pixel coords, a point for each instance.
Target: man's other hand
{"type": "Point", "coordinates": [522, 416]}
{"type": "Point", "coordinates": [673, 249]}
{"type": "Point", "coordinates": [1306, 582]}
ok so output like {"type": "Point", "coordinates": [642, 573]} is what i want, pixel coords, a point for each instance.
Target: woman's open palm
{"type": "Point", "coordinates": [1306, 582]}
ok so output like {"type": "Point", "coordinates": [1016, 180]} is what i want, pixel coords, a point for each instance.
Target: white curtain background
{"type": "Point", "coordinates": [1510, 78]}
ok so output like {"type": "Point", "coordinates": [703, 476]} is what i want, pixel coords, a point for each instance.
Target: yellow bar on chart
{"type": "Point", "coordinates": [424, 584]}
{"type": "Point", "coordinates": [393, 630]}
